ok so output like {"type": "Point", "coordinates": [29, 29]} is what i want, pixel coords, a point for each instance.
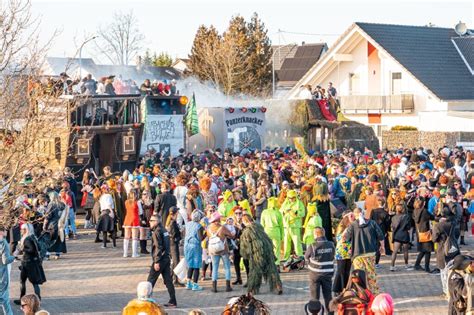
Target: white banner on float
{"type": "Point", "coordinates": [164, 133]}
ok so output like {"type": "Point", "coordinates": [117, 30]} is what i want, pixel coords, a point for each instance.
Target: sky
{"type": "Point", "coordinates": [170, 26]}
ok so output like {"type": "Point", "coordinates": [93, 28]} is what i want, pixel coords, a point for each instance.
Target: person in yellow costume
{"type": "Point", "coordinates": [272, 222]}
{"type": "Point", "coordinates": [225, 207]}
{"type": "Point", "coordinates": [313, 220]}
{"type": "Point", "coordinates": [143, 304]}
{"type": "Point", "coordinates": [293, 212]}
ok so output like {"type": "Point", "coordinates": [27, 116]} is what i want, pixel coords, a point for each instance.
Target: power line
{"type": "Point", "coordinates": [301, 33]}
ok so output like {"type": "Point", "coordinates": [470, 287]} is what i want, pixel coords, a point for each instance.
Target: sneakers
{"type": "Point", "coordinates": [189, 285]}
{"type": "Point", "coordinates": [377, 266]}
{"type": "Point", "coordinates": [408, 267]}
{"type": "Point", "coordinates": [392, 268]}
{"type": "Point", "coordinates": [170, 305]}
{"type": "Point", "coordinates": [435, 272]}
{"type": "Point", "coordinates": [196, 287]}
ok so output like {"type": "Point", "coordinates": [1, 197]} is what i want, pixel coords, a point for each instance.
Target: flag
{"type": "Point", "coordinates": [191, 118]}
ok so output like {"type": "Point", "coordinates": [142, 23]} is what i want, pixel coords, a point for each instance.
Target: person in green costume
{"type": "Point", "coordinates": [293, 212]}
{"type": "Point", "coordinates": [227, 204]}
{"type": "Point", "coordinates": [313, 220]}
{"type": "Point", "coordinates": [256, 246]}
{"type": "Point", "coordinates": [272, 222]}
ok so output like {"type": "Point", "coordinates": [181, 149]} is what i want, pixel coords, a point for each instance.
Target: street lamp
{"type": "Point", "coordinates": [80, 54]}
{"type": "Point", "coordinates": [273, 67]}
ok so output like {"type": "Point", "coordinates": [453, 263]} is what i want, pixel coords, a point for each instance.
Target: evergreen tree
{"type": "Point", "coordinates": [147, 59]}
{"type": "Point", "coordinates": [259, 56]}
{"type": "Point", "coordinates": [162, 60]}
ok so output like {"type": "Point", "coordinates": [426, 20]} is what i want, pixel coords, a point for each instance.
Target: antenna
{"type": "Point", "coordinates": [460, 28]}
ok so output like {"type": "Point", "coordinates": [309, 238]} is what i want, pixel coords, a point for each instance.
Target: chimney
{"type": "Point", "coordinates": [139, 63]}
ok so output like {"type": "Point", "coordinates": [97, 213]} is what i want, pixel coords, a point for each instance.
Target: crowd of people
{"type": "Point", "coordinates": [265, 212]}
{"type": "Point", "coordinates": [106, 85]}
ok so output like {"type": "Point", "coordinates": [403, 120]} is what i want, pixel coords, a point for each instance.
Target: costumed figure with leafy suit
{"type": "Point", "coordinates": [321, 198]}
{"type": "Point", "coordinates": [313, 220]}
{"type": "Point", "coordinates": [293, 212]}
{"type": "Point", "coordinates": [257, 247]}
{"type": "Point", "coordinates": [227, 204]}
{"type": "Point", "coordinates": [272, 222]}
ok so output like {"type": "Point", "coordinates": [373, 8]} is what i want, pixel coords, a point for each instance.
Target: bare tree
{"type": "Point", "coordinates": [121, 40]}
{"type": "Point", "coordinates": [27, 115]}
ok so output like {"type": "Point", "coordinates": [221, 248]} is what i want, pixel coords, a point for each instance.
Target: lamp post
{"type": "Point", "coordinates": [80, 54]}
{"type": "Point", "coordinates": [273, 67]}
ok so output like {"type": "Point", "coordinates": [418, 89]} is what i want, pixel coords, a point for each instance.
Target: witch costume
{"type": "Point", "coordinates": [257, 247]}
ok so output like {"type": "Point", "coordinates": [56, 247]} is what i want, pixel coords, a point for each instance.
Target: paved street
{"type": "Point", "coordinates": [91, 280]}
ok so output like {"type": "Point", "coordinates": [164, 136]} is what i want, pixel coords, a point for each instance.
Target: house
{"type": "Point", "coordinates": [181, 64]}
{"type": "Point", "coordinates": [75, 67]}
{"type": "Point", "coordinates": [294, 67]}
{"type": "Point", "coordinates": [389, 75]}
{"type": "Point", "coordinates": [291, 62]}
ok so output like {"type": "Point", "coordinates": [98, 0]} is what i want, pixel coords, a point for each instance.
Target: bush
{"type": "Point", "coordinates": [404, 128]}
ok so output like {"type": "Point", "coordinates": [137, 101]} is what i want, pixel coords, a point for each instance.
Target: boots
{"type": "Point", "coordinates": [214, 286]}
{"type": "Point", "coordinates": [228, 288]}
{"type": "Point", "coordinates": [462, 241]}
{"type": "Point", "coordinates": [237, 281]}
{"type": "Point", "coordinates": [135, 249]}
{"type": "Point", "coordinates": [143, 247]}
{"type": "Point", "coordinates": [125, 247]}
{"type": "Point", "coordinates": [97, 239]}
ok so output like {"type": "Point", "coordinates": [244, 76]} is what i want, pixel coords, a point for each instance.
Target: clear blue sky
{"type": "Point", "coordinates": [170, 25]}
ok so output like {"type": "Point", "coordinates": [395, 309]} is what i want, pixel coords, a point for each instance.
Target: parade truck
{"type": "Point", "coordinates": [94, 131]}
{"type": "Point", "coordinates": [163, 125]}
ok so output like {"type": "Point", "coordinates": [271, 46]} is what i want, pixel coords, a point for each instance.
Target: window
{"type": "Point", "coordinates": [396, 83]}
{"type": "Point", "coordinates": [354, 84]}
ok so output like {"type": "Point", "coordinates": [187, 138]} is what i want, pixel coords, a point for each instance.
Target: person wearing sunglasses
{"type": "Point", "coordinates": [30, 304]}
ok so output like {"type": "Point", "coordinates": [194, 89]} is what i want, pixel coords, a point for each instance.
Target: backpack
{"type": "Point", "coordinates": [215, 244]}
{"type": "Point", "coordinates": [450, 246]}
{"type": "Point", "coordinates": [353, 304]}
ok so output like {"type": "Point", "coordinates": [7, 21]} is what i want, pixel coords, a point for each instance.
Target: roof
{"type": "Point", "coordinates": [465, 46]}
{"type": "Point", "coordinates": [281, 53]}
{"type": "Point", "coordinates": [293, 69]}
{"type": "Point", "coordinates": [429, 54]}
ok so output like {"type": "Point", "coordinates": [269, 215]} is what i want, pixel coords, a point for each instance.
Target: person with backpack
{"type": "Point", "coordinates": [320, 257]}
{"type": "Point", "coordinates": [31, 264]}
{"type": "Point", "coordinates": [445, 235]}
{"type": "Point", "coordinates": [460, 280]}
{"type": "Point", "coordinates": [218, 249]}
{"type": "Point", "coordinates": [401, 237]}
{"type": "Point", "coordinates": [365, 237]}
{"type": "Point", "coordinates": [356, 297]}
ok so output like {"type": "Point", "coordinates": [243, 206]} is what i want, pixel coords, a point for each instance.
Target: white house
{"type": "Point", "coordinates": [389, 75]}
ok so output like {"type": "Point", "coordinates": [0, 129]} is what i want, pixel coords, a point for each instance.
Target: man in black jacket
{"type": "Point", "coordinates": [175, 238]}
{"type": "Point", "coordinates": [460, 281]}
{"type": "Point", "coordinates": [160, 253]}
{"type": "Point", "coordinates": [164, 202]}
{"type": "Point", "coordinates": [320, 257]}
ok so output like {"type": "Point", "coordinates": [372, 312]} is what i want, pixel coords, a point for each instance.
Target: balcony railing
{"type": "Point", "coordinates": [377, 103]}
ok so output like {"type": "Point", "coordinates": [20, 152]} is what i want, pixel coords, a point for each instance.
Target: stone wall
{"type": "Point", "coordinates": [434, 140]}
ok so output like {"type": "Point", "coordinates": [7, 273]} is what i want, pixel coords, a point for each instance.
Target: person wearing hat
{"type": "Point", "coordinates": [227, 204]}
{"type": "Point", "coordinates": [143, 304]}
{"type": "Point", "coordinates": [293, 212]}
{"type": "Point", "coordinates": [460, 281]}
{"type": "Point", "coordinates": [272, 222]}
{"type": "Point", "coordinates": [218, 251]}
{"type": "Point", "coordinates": [160, 253]}
{"type": "Point", "coordinates": [313, 220]}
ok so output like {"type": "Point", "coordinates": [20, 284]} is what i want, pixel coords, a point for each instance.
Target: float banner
{"type": "Point", "coordinates": [164, 133]}
{"type": "Point", "coordinates": [244, 129]}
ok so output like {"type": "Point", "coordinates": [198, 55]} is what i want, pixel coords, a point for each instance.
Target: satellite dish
{"type": "Point", "coordinates": [460, 28]}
